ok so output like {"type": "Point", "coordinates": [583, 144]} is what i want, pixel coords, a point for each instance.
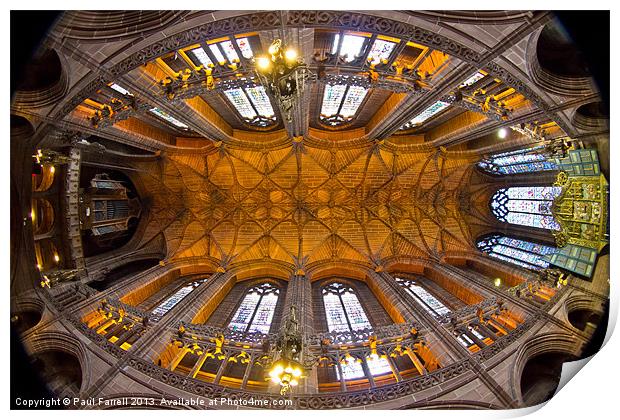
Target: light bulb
{"type": "Point", "coordinates": [290, 55]}
{"type": "Point", "coordinates": [263, 63]}
{"type": "Point", "coordinates": [502, 133]}
{"type": "Point", "coordinates": [498, 282]}
{"type": "Point", "coordinates": [56, 257]}
{"type": "Point", "coordinates": [52, 169]}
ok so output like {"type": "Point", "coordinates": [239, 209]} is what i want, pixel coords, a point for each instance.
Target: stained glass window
{"type": "Point", "coordinates": [531, 159]}
{"type": "Point", "coordinates": [380, 50]}
{"type": "Point", "coordinates": [527, 206]}
{"type": "Point", "coordinates": [173, 300]}
{"type": "Point", "coordinates": [255, 312]}
{"type": "Point", "coordinates": [230, 51]}
{"type": "Point", "coordinates": [525, 254]}
{"type": "Point", "coordinates": [217, 53]}
{"type": "Point", "coordinates": [344, 312]}
{"type": "Point", "coordinates": [202, 56]}
{"type": "Point", "coordinates": [351, 46]}
{"type": "Point", "coordinates": [253, 105]}
{"type": "Point", "coordinates": [473, 79]}
{"type": "Point", "coordinates": [244, 46]}
{"type": "Point", "coordinates": [429, 112]}
{"type": "Point", "coordinates": [167, 117]}
{"type": "Point", "coordinates": [431, 304]}
{"type": "Point", "coordinates": [120, 89]}
{"type": "Point", "coordinates": [341, 102]}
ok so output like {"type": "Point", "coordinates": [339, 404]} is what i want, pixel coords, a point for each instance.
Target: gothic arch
{"type": "Point", "coordinates": [550, 343]}
{"type": "Point", "coordinates": [593, 116]}
{"type": "Point", "coordinates": [46, 80]}
{"type": "Point", "coordinates": [57, 341]}
{"type": "Point", "coordinates": [553, 63]}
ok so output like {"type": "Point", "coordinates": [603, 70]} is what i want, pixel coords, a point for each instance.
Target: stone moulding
{"type": "Point", "coordinates": [310, 401]}
{"type": "Point", "coordinates": [307, 19]}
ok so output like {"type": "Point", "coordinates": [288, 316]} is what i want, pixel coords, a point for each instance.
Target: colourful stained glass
{"type": "Point", "coordinates": [354, 98]}
{"type": "Point", "coordinates": [520, 161]}
{"type": "Point", "coordinates": [230, 51]}
{"type": "Point", "coordinates": [429, 112]}
{"type": "Point", "coordinates": [473, 79]}
{"type": "Point", "coordinates": [380, 51]}
{"type": "Point", "coordinates": [173, 300]}
{"type": "Point", "coordinates": [244, 46]}
{"type": "Point", "coordinates": [431, 304]}
{"type": "Point", "coordinates": [202, 56]}
{"type": "Point", "coordinates": [241, 102]}
{"type": "Point", "coordinates": [332, 98]}
{"type": "Point", "coordinates": [344, 312]}
{"type": "Point", "coordinates": [217, 53]}
{"type": "Point", "coordinates": [165, 116]}
{"type": "Point", "coordinates": [516, 251]}
{"type": "Point", "coordinates": [256, 311]}
{"type": "Point", "coordinates": [351, 46]}
{"type": "Point", "coordinates": [527, 206]}
{"type": "Point", "coordinates": [259, 98]}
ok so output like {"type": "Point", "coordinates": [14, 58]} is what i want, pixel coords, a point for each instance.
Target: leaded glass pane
{"type": "Point", "coordinates": [428, 301]}
{"type": "Point", "coordinates": [241, 102]}
{"type": "Point", "coordinates": [527, 206]}
{"type": "Point", "coordinates": [264, 314]}
{"type": "Point", "coordinates": [380, 50]}
{"type": "Point", "coordinates": [120, 89]}
{"type": "Point", "coordinates": [354, 98]}
{"type": "Point", "coordinates": [473, 79]}
{"type": "Point", "coordinates": [217, 53]}
{"type": "Point", "coordinates": [244, 313]}
{"type": "Point", "coordinates": [352, 370]}
{"type": "Point", "coordinates": [230, 51]}
{"type": "Point", "coordinates": [429, 112]}
{"type": "Point", "coordinates": [259, 98]}
{"type": "Point", "coordinates": [171, 302]}
{"type": "Point", "coordinates": [378, 366]}
{"type": "Point", "coordinates": [516, 251]}
{"type": "Point", "coordinates": [244, 46]}
{"type": "Point", "coordinates": [334, 312]}
{"type": "Point", "coordinates": [332, 99]}
{"type": "Point", "coordinates": [168, 117]}
{"type": "Point", "coordinates": [202, 56]}
{"type": "Point", "coordinates": [351, 46]}
{"type": "Point", "coordinates": [357, 316]}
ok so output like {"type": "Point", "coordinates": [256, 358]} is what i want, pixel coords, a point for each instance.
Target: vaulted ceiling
{"type": "Point", "coordinates": [303, 205]}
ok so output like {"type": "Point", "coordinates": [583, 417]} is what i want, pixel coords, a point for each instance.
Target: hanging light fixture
{"type": "Point", "coordinates": [287, 366]}
{"type": "Point", "coordinates": [283, 74]}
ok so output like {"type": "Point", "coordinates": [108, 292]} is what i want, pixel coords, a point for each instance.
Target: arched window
{"type": "Point", "coordinates": [527, 206]}
{"type": "Point", "coordinates": [174, 299]}
{"type": "Point", "coordinates": [532, 159]}
{"type": "Point", "coordinates": [340, 103]}
{"type": "Point", "coordinates": [516, 251]}
{"type": "Point", "coordinates": [255, 312]}
{"type": "Point", "coordinates": [253, 105]}
{"type": "Point", "coordinates": [431, 304]}
{"type": "Point", "coordinates": [344, 313]}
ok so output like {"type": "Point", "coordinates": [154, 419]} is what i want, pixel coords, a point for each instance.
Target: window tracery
{"type": "Point", "coordinates": [525, 254]}
{"type": "Point", "coordinates": [255, 313]}
{"type": "Point", "coordinates": [527, 206]}
{"type": "Point", "coordinates": [430, 303]}
{"type": "Point", "coordinates": [340, 103]}
{"type": "Point", "coordinates": [253, 104]}
{"type": "Point", "coordinates": [531, 159]}
{"type": "Point", "coordinates": [344, 312]}
{"type": "Point", "coordinates": [427, 114]}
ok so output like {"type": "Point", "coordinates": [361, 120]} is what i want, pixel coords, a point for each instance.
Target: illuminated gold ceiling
{"type": "Point", "coordinates": [302, 205]}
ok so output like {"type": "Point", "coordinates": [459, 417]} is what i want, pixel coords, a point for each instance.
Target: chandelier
{"type": "Point", "coordinates": [287, 358]}
{"type": "Point", "coordinates": [283, 74]}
